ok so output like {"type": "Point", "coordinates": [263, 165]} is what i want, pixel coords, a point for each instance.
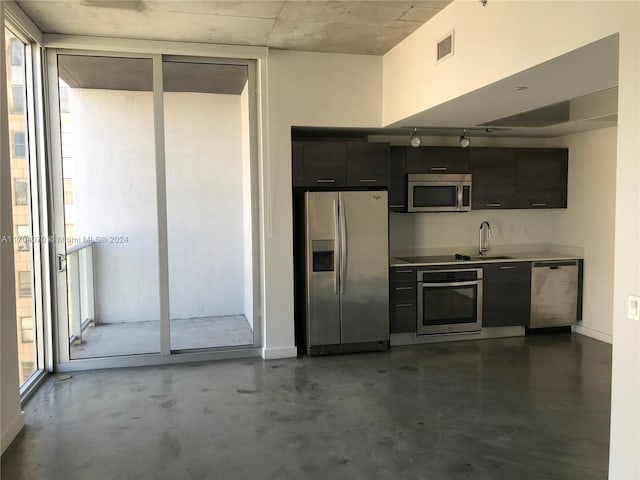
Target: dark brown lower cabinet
{"type": "Point", "coordinates": [402, 300]}
{"type": "Point", "coordinates": [506, 291]}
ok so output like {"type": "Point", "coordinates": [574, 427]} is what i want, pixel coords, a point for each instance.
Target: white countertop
{"type": "Point", "coordinates": [513, 254]}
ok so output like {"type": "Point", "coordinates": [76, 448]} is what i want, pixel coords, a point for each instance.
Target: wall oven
{"type": "Point", "coordinates": [449, 301]}
{"type": "Point", "coordinates": [445, 192]}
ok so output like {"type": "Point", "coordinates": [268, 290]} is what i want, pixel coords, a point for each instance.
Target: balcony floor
{"type": "Point", "coordinates": [130, 338]}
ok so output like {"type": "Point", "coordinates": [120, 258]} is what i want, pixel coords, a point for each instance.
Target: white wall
{"type": "Point", "coordinates": [588, 222]}
{"type": "Point", "coordinates": [115, 195]}
{"type": "Point", "coordinates": [114, 190]}
{"type": "Point", "coordinates": [11, 419]}
{"type": "Point", "coordinates": [491, 43]}
{"type": "Point", "coordinates": [505, 38]}
{"type": "Point", "coordinates": [204, 204]}
{"type": "Point", "coordinates": [304, 89]}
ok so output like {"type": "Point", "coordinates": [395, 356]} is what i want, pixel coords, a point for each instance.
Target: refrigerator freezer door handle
{"type": "Point", "coordinates": [343, 245]}
{"type": "Point", "coordinates": [336, 247]}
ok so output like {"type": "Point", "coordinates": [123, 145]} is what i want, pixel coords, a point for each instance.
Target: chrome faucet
{"type": "Point", "coordinates": [485, 236]}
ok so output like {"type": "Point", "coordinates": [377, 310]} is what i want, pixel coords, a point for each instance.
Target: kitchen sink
{"type": "Point", "coordinates": [491, 257]}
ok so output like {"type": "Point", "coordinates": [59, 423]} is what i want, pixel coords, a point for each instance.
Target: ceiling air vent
{"type": "Point", "coordinates": [445, 47]}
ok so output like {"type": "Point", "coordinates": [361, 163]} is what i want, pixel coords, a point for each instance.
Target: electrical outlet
{"type": "Point", "coordinates": [633, 307]}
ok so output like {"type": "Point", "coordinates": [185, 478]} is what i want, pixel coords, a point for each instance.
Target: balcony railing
{"type": "Point", "coordinates": [80, 290]}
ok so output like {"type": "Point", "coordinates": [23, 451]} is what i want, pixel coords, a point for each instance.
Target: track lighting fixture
{"type": "Point", "coordinates": [464, 140]}
{"type": "Point", "coordinates": [416, 141]}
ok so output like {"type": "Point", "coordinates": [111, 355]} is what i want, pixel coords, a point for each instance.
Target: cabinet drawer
{"type": "Point", "coordinates": [402, 275]}
{"type": "Point", "coordinates": [403, 293]}
{"type": "Point", "coordinates": [402, 317]}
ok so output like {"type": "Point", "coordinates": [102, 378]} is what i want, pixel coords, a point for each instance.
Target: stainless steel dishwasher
{"type": "Point", "coordinates": [554, 293]}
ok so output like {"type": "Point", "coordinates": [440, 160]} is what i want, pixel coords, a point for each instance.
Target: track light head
{"type": "Point", "coordinates": [464, 140]}
{"type": "Point", "coordinates": [416, 141]}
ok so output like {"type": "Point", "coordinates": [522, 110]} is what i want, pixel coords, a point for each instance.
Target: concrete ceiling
{"type": "Point", "coordinates": [361, 27]}
{"type": "Point", "coordinates": [583, 81]}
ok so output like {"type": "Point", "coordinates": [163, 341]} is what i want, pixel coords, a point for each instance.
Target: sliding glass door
{"type": "Point", "coordinates": [155, 182]}
{"type": "Point", "coordinates": [110, 250]}
{"type": "Point", "coordinates": [208, 167]}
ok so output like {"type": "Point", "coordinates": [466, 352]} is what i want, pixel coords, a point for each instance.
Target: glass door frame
{"type": "Point", "coordinates": [37, 180]}
{"type": "Point", "coordinates": [62, 355]}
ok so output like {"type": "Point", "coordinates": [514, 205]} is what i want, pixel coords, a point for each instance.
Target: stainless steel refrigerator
{"type": "Point", "coordinates": [347, 271]}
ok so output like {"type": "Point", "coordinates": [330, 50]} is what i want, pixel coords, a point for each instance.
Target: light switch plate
{"type": "Point", "coordinates": [633, 307]}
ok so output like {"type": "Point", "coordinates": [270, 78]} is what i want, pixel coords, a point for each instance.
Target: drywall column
{"type": "Point", "coordinates": [305, 89]}
{"type": "Point", "coordinates": [11, 418]}
{"type": "Point", "coordinates": [588, 222]}
{"type": "Point", "coordinates": [624, 455]}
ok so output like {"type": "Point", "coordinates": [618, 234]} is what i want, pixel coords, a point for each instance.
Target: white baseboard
{"type": "Point", "coordinates": [590, 332]}
{"type": "Point", "coordinates": [281, 352]}
{"type": "Point", "coordinates": [11, 431]}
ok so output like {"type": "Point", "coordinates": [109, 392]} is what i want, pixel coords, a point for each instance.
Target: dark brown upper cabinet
{"type": "Point", "coordinates": [297, 163]}
{"type": "Point", "coordinates": [494, 178]}
{"type": "Point", "coordinates": [437, 160]}
{"type": "Point", "coordinates": [445, 159]}
{"type": "Point", "coordinates": [541, 177]}
{"type": "Point", "coordinates": [367, 164]}
{"type": "Point", "coordinates": [335, 164]}
{"type": "Point", "coordinates": [398, 179]}
{"type": "Point", "coordinates": [323, 164]}
{"type": "Point", "coordinates": [519, 178]}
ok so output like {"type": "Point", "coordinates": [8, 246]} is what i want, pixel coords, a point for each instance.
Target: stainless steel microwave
{"type": "Point", "coordinates": [445, 192]}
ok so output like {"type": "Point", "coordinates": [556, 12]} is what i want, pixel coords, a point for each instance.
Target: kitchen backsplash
{"type": "Point", "coordinates": [448, 230]}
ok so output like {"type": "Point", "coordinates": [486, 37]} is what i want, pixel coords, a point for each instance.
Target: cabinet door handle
{"type": "Point", "coordinates": [492, 204]}
{"type": "Point", "coordinates": [404, 288]}
{"type": "Point", "coordinates": [438, 169]}
{"type": "Point", "coordinates": [368, 180]}
{"type": "Point", "coordinates": [404, 271]}
{"type": "Point", "coordinates": [325, 180]}
{"type": "Point", "coordinates": [538, 204]}
{"type": "Point", "coordinates": [404, 305]}
{"type": "Point", "coordinates": [508, 268]}
{"type": "Point", "coordinates": [397, 206]}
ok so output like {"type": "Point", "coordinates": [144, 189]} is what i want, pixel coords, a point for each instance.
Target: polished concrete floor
{"type": "Point", "coordinates": [519, 408]}
{"type": "Point", "coordinates": [131, 338]}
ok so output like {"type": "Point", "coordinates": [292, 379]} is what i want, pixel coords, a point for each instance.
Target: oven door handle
{"type": "Point", "coordinates": [449, 284]}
